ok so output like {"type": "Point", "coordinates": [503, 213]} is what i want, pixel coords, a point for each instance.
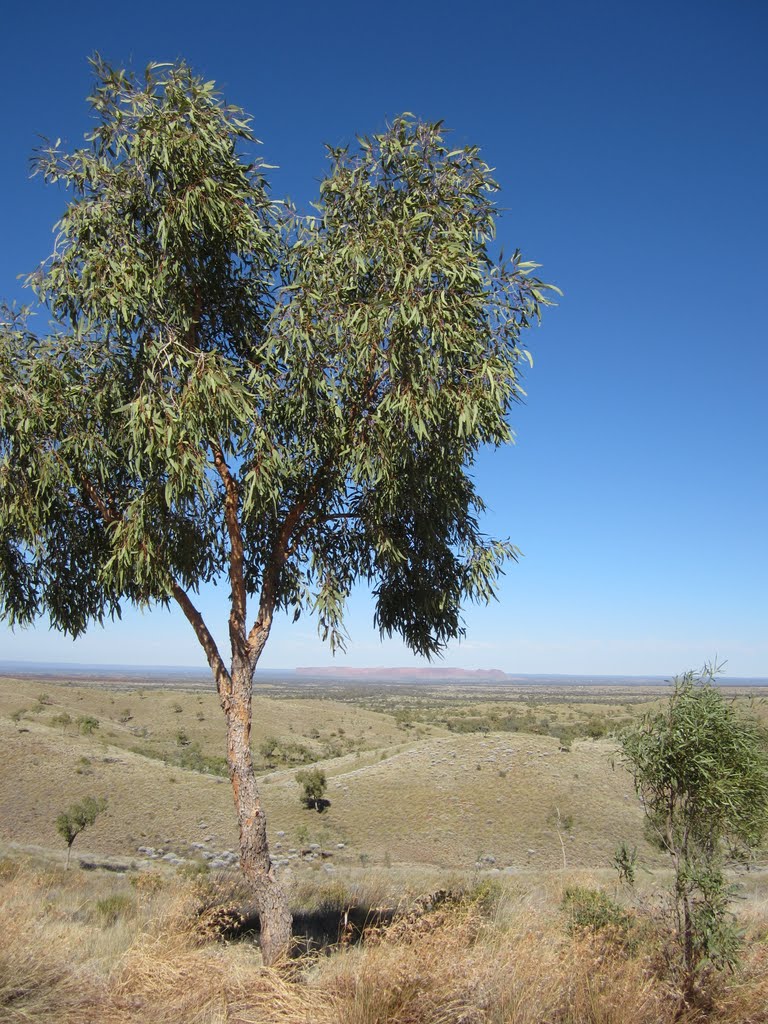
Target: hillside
{"type": "Point", "coordinates": [509, 801]}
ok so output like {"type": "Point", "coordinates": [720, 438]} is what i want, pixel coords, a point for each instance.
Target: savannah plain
{"type": "Point", "coordinates": [468, 830]}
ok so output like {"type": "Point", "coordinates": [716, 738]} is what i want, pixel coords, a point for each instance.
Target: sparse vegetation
{"type": "Point", "coordinates": [62, 720]}
{"type": "Point", "coordinates": [517, 921]}
{"type": "Point", "coordinates": [274, 752]}
{"type": "Point", "coordinates": [78, 817]}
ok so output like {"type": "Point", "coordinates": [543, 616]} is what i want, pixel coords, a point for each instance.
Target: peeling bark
{"type": "Point", "coordinates": [255, 861]}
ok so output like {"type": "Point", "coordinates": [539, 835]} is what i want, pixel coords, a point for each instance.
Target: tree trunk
{"type": "Point", "coordinates": [271, 901]}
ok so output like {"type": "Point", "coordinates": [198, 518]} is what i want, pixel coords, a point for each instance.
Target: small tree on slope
{"type": "Point", "coordinates": [77, 818]}
{"type": "Point", "coordinates": [232, 390]}
{"type": "Point", "coordinates": [701, 769]}
{"type": "Point", "coordinates": [313, 784]}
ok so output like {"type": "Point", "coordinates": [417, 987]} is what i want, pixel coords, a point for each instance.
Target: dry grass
{"type": "Point", "coordinates": [85, 947]}
{"type": "Point", "coordinates": [444, 801]}
{"type": "Point", "coordinates": [502, 957]}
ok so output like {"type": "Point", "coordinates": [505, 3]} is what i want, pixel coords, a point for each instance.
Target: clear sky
{"type": "Point", "coordinates": [630, 141]}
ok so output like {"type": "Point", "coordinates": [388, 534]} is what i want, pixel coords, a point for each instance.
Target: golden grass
{"type": "Point", "coordinates": [508, 959]}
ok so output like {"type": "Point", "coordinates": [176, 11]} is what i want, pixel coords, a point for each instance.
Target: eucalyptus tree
{"type": "Point", "coordinates": [229, 390]}
{"type": "Point", "coordinates": [700, 767]}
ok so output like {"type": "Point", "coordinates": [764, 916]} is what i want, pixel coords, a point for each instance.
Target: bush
{"type": "Point", "coordinates": [593, 910]}
{"type": "Point", "coordinates": [313, 783]}
{"type": "Point", "coordinates": [274, 751]}
{"type": "Point", "coordinates": [596, 727]}
{"type": "Point", "coordinates": [147, 883]}
{"type": "Point", "coordinates": [193, 869]}
{"type": "Point", "coordinates": [701, 770]}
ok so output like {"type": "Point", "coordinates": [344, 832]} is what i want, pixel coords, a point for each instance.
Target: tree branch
{"type": "Point", "coordinates": [222, 677]}
{"type": "Point", "coordinates": [238, 598]}
{"type": "Point", "coordinates": [260, 629]}
{"type": "Point", "coordinates": [220, 673]}
{"type": "Point", "coordinates": [109, 515]}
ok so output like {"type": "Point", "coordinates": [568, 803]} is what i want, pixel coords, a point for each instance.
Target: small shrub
{"type": "Point", "coordinates": [9, 869]}
{"type": "Point", "coordinates": [87, 724]}
{"type": "Point", "coordinates": [596, 727]}
{"type": "Point", "coordinates": [566, 735]}
{"type": "Point", "coordinates": [64, 719]}
{"type": "Point", "coordinates": [625, 862]}
{"type": "Point", "coordinates": [593, 910]}
{"type": "Point", "coordinates": [193, 759]}
{"type": "Point", "coordinates": [559, 821]}
{"type": "Point", "coordinates": [486, 895]}
{"type": "Point", "coordinates": [147, 883]}
{"type": "Point", "coordinates": [110, 909]}
{"type": "Point", "coordinates": [18, 714]}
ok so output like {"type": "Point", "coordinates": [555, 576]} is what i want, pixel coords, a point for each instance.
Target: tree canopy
{"type": "Point", "coordinates": [325, 381]}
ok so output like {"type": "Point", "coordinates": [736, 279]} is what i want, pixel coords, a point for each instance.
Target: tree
{"type": "Point", "coordinates": [231, 390]}
{"type": "Point", "coordinates": [701, 769]}
{"type": "Point", "coordinates": [77, 817]}
{"type": "Point", "coordinates": [314, 784]}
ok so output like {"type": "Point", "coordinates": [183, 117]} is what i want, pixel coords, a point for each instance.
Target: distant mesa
{"type": "Point", "coordinates": [387, 674]}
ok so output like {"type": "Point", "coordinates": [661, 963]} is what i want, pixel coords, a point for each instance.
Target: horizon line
{"type": "Point", "coordinates": [347, 670]}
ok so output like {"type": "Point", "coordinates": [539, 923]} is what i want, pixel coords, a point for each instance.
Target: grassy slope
{"type": "Point", "coordinates": [444, 800]}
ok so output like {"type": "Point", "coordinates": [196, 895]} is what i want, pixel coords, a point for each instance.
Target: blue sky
{"type": "Point", "coordinates": [630, 143]}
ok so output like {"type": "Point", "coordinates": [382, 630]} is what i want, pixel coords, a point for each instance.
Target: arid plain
{"type": "Point", "coordinates": [507, 796]}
